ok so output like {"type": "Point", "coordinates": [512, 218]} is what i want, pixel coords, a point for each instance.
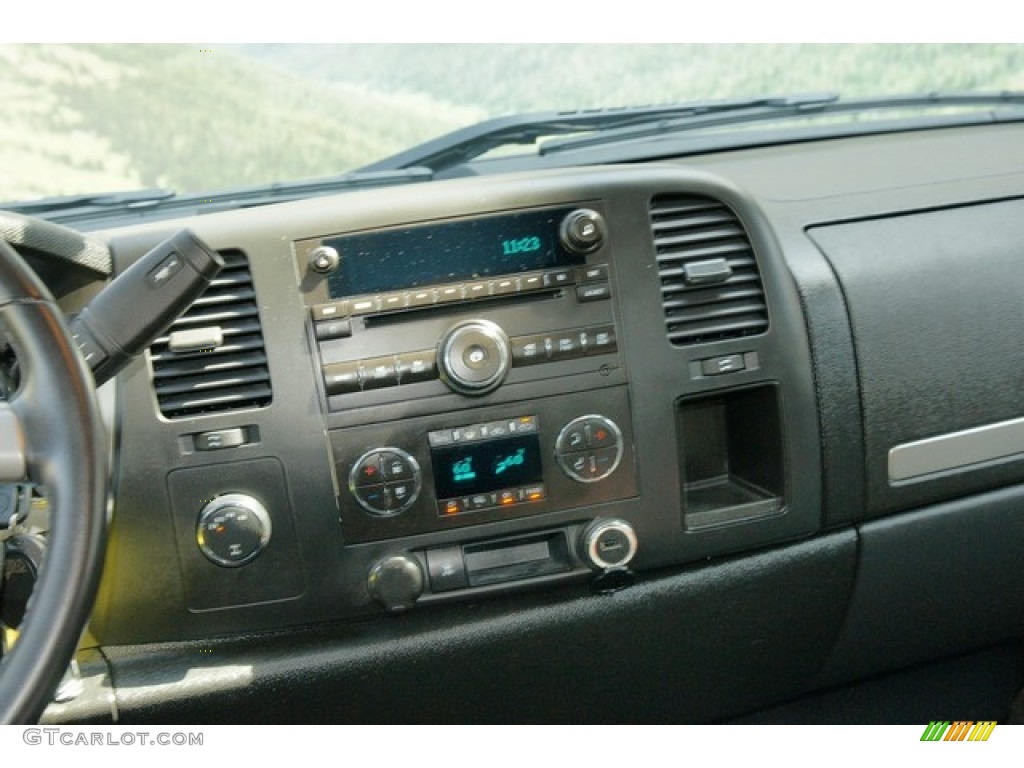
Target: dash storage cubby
{"type": "Point", "coordinates": [733, 465]}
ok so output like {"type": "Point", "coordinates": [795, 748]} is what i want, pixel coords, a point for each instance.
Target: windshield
{"type": "Point", "coordinates": [96, 118]}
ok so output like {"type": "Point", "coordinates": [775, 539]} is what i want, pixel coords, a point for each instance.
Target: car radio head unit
{"type": "Point", "coordinates": [429, 254]}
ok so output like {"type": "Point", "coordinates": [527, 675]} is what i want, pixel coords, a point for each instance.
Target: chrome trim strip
{"type": "Point", "coordinates": [956, 450]}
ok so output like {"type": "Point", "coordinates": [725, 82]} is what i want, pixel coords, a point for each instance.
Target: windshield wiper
{"type": "Point", "coordinates": [662, 127]}
{"type": "Point", "coordinates": [140, 203]}
{"type": "Point", "coordinates": [131, 198]}
{"type": "Point", "coordinates": [466, 144]}
{"type": "Point", "coordinates": [607, 126]}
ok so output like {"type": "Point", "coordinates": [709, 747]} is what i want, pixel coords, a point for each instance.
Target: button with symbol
{"type": "Point", "coordinates": [367, 471]}
{"type": "Point", "coordinates": [220, 439]}
{"type": "Point", "coordinates": [589, 448]}
{"type": "Point", "coordinates": [446, 569]}
{"type": "Point", "coordinates": [385, 481]}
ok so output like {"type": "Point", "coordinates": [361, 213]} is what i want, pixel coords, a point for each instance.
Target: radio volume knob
{"type": "Point", "coordinates": [473, 357]}
{"type": "Point", "coordinates": [583, 231]}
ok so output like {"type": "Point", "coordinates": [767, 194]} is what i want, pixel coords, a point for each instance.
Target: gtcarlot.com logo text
{"type": "Point", "coordinates": [54, 737]}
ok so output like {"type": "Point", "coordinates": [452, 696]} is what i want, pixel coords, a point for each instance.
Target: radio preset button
{"type": "Point", "coordinates": [331, 311]}
{"type": "Point", "coordinates": [392, 301]}
{"type": "Point", "coordinates": [421, 298]}
{"type": "Point", "coordinates": [504, 285]}
{"type": "Point", "coordinates": [364, 305]}
{"type": "Point", "coordinates": [478, 290]}
{"type": "Point", "coordinates": [449, 293]}
{"type": "Point", "coordinates": [531, 282]}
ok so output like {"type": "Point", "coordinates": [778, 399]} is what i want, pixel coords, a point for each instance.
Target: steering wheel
{"type": "Point", "coordinates": [50, 434]}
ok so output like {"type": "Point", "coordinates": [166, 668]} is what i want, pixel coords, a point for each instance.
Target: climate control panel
{"type": "Point", "coordinates": [435, 473]}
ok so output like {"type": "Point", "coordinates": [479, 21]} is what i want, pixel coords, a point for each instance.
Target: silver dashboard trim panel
{"type": "Point", "coordinates": [956, 450]}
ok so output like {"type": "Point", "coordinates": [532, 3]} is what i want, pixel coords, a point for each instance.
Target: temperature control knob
{"type": "Point", "coordinates": [589, 449]}
{"type": "Point", "coordinates": [233, 529]}
{"type": "Point", "coordinates": [473, 357]}
{"type": "Point", "coordinates": [608, 543]}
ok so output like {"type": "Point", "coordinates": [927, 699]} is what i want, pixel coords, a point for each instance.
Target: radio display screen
{"type": "Point", "coordinates": [483, 467]}
{"type": "Point", "coordinates": [426, 254]}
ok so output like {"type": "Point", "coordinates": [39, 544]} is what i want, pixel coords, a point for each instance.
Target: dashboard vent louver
{"type": "Point", "coordinates": [710, 285]}
{"type": "Point", "coordinates": [228, 373]}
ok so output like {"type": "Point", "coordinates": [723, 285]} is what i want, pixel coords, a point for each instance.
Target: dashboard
{"type": "Point", "coordinates": [717, 427]}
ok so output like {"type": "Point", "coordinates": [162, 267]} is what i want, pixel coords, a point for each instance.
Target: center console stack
{"type": "Point", "coordinates": [471, 374]}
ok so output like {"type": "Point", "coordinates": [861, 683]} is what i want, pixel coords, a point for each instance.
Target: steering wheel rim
{"type": "Point", "coordinates": [50, 432]}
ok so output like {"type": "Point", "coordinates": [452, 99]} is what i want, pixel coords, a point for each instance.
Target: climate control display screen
{"type": "Point", "coordinates": [468, 469]}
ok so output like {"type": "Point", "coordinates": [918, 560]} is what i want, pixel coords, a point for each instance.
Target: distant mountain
{"type": "Point", "coordinates": [505, 78]}
{"type": "Point", "coordinates": [83, 118]}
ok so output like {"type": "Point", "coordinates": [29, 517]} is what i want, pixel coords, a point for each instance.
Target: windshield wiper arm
{"type": "Point", "coordinates": [75, 208]}
{"type": "Point", "coordinates": [466, 144]}
{"type": "Point", "coordinates": [755, 114]}
{"type": "Point", "coordinates": [135, 198]}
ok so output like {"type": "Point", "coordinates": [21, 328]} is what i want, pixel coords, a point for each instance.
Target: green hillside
{"type": "Point", "coordinates": [86, 118]}
{"type": "Point", "coordinates": [514, 78]}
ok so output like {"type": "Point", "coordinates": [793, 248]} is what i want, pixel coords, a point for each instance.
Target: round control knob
{"type": "Point", "coordinates": [589, 448]}
{"type": "Point", "coordinates": [608, 543]}
{"type": "Point", "coordinates": [233, 529]}
{"type": "Point", "coordinates": [396, 582]}
{"type": "Point", "coordinates": [582, 231]}
{"type": "Point", "coordinates": [385, 481]}
{"type": "Point", "coordinates": [324, 259]}
{"type": "Point", "coordinates": [473, 357]}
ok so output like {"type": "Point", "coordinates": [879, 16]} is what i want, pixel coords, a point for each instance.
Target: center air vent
{"type": "Point", "coordinates": [212, 357]}
{"type": "Point", "coordinates": [710, 286]}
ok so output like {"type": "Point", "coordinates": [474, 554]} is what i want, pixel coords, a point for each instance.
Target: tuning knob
{"type": "Point", "coordinates": [473, 357]}
{"type": "Point", "coordinates": [396, 582]}
{"type": "Point", "coordinates": [608, 543]}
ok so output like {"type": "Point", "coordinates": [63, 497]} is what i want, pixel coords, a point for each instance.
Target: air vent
{"type": "Point", "coordinates": [212, 358]}
{"type": "Point", "coordinates": [710, 286]}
